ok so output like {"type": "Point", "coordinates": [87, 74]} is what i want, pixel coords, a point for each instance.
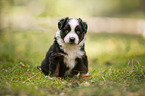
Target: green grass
{"type": "Point", "coordinates": [116, 63]}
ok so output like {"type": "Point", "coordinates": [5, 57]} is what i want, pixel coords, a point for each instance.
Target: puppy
{"type": "Point", "coordinates": [67, 56]}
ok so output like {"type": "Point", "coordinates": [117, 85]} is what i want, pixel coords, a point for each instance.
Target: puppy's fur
{"type": "Point", "coordinates": [67, 56]}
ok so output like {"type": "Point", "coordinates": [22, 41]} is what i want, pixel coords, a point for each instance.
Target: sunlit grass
{"type": "Point", "coordinates": [116, 63]}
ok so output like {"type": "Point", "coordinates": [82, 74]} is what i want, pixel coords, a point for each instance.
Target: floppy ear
{"type": "Point", "coordinates": [83, 24]}
{"type": "Point", "coordinates": [62, 22]}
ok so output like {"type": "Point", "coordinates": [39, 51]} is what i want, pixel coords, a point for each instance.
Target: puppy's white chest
{"type": "Point", "coordinates": [73, 52]}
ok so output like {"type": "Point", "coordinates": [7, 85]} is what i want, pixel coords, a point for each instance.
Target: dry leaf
{"type": "Point", "coordinates": [86, 76]}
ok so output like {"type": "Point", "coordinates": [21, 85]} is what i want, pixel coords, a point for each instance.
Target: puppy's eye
{"type": "Point", "coordinates": [66, 31]}
{"type": "Point", "coordinates": [78, 32]}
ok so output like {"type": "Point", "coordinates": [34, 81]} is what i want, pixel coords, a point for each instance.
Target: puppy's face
{"type": "Point", "coordinates": [72, 30]}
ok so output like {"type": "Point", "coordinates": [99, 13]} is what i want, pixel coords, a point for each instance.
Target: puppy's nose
{"type": "Point", "coordinates": [71, 39]}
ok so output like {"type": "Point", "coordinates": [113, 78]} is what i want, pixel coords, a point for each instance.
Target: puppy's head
{"type": "Point", "coordinates": [72, 31]}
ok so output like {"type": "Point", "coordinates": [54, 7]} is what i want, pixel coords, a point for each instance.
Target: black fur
{"type": "Point", "coordinates": [62, 22]}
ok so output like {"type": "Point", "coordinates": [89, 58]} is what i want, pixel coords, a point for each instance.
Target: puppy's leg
{"type": "Point", "coordinates": [84, 63]}
{"type": "Point", "coordinates": [81, 66]}
{"type": "Point", "coordinates": [49, 63]}
{"type": "Point", "coordinates": [53, 62]}
{"type": "Point", "coordinates": [62, 70]}
{"type": "Point", "coordinates": [45, 67]}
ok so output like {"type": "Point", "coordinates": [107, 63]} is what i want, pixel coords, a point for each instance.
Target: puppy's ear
{"type": "Point", "coordinates": [83, 24]}
{"type": "Point", "coordinates": [62, 22]}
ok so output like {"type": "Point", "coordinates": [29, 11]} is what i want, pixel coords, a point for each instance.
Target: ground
{"type": "Point", "coordinates": [116, 65]}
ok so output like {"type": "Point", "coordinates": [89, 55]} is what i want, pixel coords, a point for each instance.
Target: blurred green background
{"type": "Point", "coordinates": [55, 8]}
{"type": "Point", "coordinates": [115, 46]}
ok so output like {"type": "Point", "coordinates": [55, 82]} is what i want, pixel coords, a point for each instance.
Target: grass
{"type": "Point", "coordinates": [116, 63]}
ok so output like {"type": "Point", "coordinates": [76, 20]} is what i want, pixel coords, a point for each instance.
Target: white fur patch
{"type": "Point", "coordinates": [73, 51]}
{"type": "Point", "coordinates": [73, 23]}
{"type": "Point", "coordinates": [59, 40]}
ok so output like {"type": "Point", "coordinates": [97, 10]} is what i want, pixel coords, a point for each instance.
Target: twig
{"type": "Point", "coordinates": [32, 77]}
{"type": "Point", "coordinates": [103, 78]}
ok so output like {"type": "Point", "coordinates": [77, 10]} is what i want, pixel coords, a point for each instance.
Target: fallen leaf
{"type": "Point", "coordinates": [86, 76]}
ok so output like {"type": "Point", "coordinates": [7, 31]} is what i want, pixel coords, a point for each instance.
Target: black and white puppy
{"type": "Point", "coordinates": [67, 56]}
